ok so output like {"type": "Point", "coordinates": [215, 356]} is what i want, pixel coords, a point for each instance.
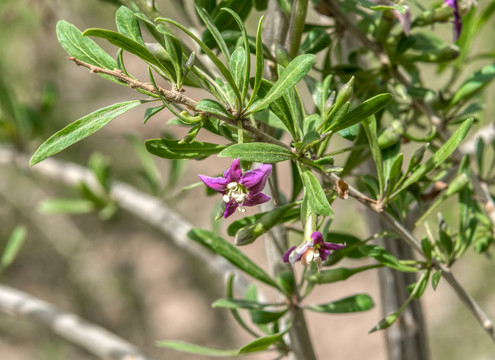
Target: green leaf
{"type": "Point", "coordinates": [220, 66]}
{"type": "Point", "coordinates": [258, 152]}
{"type": "Point", "coordinates": [213, 107]}
{"type": "Point", "coordinates": [316, 40]}
{"type": "Point", "coordinates": [66, 206]}
{"type": "Point", "coordinates": [473, 84]}
{"type": "Point", "coordinates": [231, 253]}
{"type": "Point", "coordinates": [247, 68]}
{"type": "Point", "coordinates": [355, 303]}
{"type": "Point", "coordinates": [237, 66]}
{"type": "Point", "coordinates": [131, 46]}
{"type": "Point", "coordinates": [439, 157]}
{"type": "Point", "coordinates": [197, 349]}
{"type": "Point", "coordinates": [435, 279]}
{"type": "Point", "coordinates": [250, 233]}
{"type": "Point", "coordinates": [149, 112]}
{"type": "Point", "coordinates": [14, 244]}
{"type": "Point", "coordinates": [171, 149]}
{"type": "Point", "coordinates": [294, 72]}
{"type": "Point", "coordinates": [207, 19]}
{"type": "Point", "coordinates": [151, 172]}
{"type": "Point", "coordinates": [174, 52]}
{"type": "Point", "coordinates": [361, 112]}
{"type": "Point", "coordinates": [385, 322]}
{"type": "Point", "coordinates": [227, 303]}
{"type": "Point", "coordinates": [279, 107]}
{"type": "Point", "coordinates": [316, 196]}
{"type": "Point", "coordinates": [339, 274]}
{"type": "Point", "coordinates": [260, 64]}
{"type": "Point", "coordinates": [128, 25]}
{"type": "Point", "coordinates": [369, 126]}
{"type": "Point", "coordinates": [80, 129]}
{"type": "Point", "coordinates": [84, 49]}
{"type": "Point", "coordinates": [384, 257]}
{"type": "Point", "coordinates": [260, 344]}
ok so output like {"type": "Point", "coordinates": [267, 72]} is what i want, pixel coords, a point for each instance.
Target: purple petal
{"type": "Point", "coordinates": [332, 246]}
{"type": "Point", "coordinates": [234, 172]}
{"type": "Point", "coordinates": [296, 255]}
{"type": "Point", "coordinates": [255, 180]}
{"type": "Point", "coordinates": [287, 253]}
{"type": "Point", "coordinates": [218, 184]}
{"type": "Point", "coordinates": [457, 18]}
{"type": "Point", "coordinates": [324, 253]}
{"type": "Point", "coordinates": [230, 208]}
{"type": "Point", "coordinates": [317, 238]}
{"type": "Point", "coordinates": [252, 200]}
{"type": "Point", "coordinates": [451, 3]}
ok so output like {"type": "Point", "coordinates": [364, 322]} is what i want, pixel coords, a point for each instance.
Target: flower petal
{"type": "Point", "coordinates": [287, 253]}
{"type": "Point", "coordinates": [218, 184]}
{"type": "Point", "coordinates": [230, 208]}
{"type": "Point", "coordinates": [255, 180]}
{"type": "Point", "coordinates": [317, 237]}
{"type": "Point", "coordinates": [257, 199]}
{"type": "Point", "coordinates": [298, 252]}
{"type": "Point", "coordinates": [332, 246]}
{"type": "Point", "coordinates": [234, 172]}
{"type": "Point", "coordinates": [324, 253]}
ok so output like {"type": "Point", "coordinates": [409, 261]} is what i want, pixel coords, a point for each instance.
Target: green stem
{"type": "Point", "coordinates": [296, 26]}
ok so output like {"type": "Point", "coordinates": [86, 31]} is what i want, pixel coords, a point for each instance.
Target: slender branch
{"type": "Point", "coordinates": [176, 97]}
{"type": "Point", "coordinates": [91, 337]}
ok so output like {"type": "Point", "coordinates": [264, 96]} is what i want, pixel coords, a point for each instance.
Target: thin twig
{"type": "Point", "coordinates": [91, 337]}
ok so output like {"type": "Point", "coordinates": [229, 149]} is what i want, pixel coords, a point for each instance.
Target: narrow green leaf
{"type": "Point", "coordinates": [80, 129]}
{"type": "Point", "coordinates": [316, 40]}
{"type": "Point", "coordinates": [473, 84]}
{"type": "Point", "coordinates": [361, 112]}
{"type": "Point", "coordinates": [369, 126]}
{"type": "Point", "coordinates": [385, 322]}
{"type": "Point", "coordinates": [231, 253]}
{"type": "Point", "coordinates": [339, 274]}
{"type": "Point", "coordinates": [384, 257]}
{"type": "Point", "coordinates": [128, 25]}
{"type": "Point", "coordinates": [213, 107]}
{"type": "Point", "coordinates": [435, 279]}
{"type": "Point", "coordinates": [84, 49]}
{"type": "Point", "coordinates": [316, 196]}
{"type": "Point", "coordinates": [207, 19]}
{"type": "Point", "coordinates": [294, 72]}
{"type": "Point", "coordinates": [221, 67]}
{"type": "Point", "coordinates": [258, 152]}
{"type": "Point", "coordinates": [149, 112]}
{"type": "Point", "coordinates": [355, 303]}
{"type": "Point", "coordinates": [260, 344]}
{"type": "Point", "coordinates": [247, 68]}
{"type": "Point", "coordinates": [151, 171]}
{"type": "Point", "coordinates": [439, 157]}
{"type": "Point", "coordinates": [250, 233]}
{"type": "Point", "coordinates": [131, 46]}
{"type": "Point", "coordinates": [227, 303]}
{"type": "Point", "coordinates": [171, 149]}
{"type": "Point", "coordinates": [279, 107]}
{"type": "Point", "coordinates": [237, 66]}
{"type": "Point", "coordinates": [66, 206]}
{"type": "Point", "coordinates": [197, 349]}
{"type": "Point", "coordinates": [260, 64]}
{"type": "Point", "coordinates": [14, 244]}
{"type": "Point", "coordinates": [173, 47]}
{"type": "Point", "coordinates": [252, 219]}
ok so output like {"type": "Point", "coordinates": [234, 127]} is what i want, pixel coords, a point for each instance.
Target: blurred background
{"type": "Point", "coordinates": [121, 273]}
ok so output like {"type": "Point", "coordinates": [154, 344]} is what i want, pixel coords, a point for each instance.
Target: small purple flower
{"type": "Point", "coordinates": [314, 249]}
{"type": "Point", "coordinates": [457, 18]}
{"type": "Point", "coordinates": [240, 189]}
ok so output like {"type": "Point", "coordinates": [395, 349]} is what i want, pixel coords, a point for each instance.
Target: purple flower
{"type": "Point", "coordinates": [314, 249]}
{"type": "Point", "coordinates": [240, 189]}
{"type": "Point", "coordinates": [457, 18]}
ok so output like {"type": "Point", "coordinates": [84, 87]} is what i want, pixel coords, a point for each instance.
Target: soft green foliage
{"type": "Point", "coordinates": [370, 125]}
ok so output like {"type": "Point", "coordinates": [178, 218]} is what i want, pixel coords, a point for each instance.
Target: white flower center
{"type": "Point", "coordinates": [236, 192]}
